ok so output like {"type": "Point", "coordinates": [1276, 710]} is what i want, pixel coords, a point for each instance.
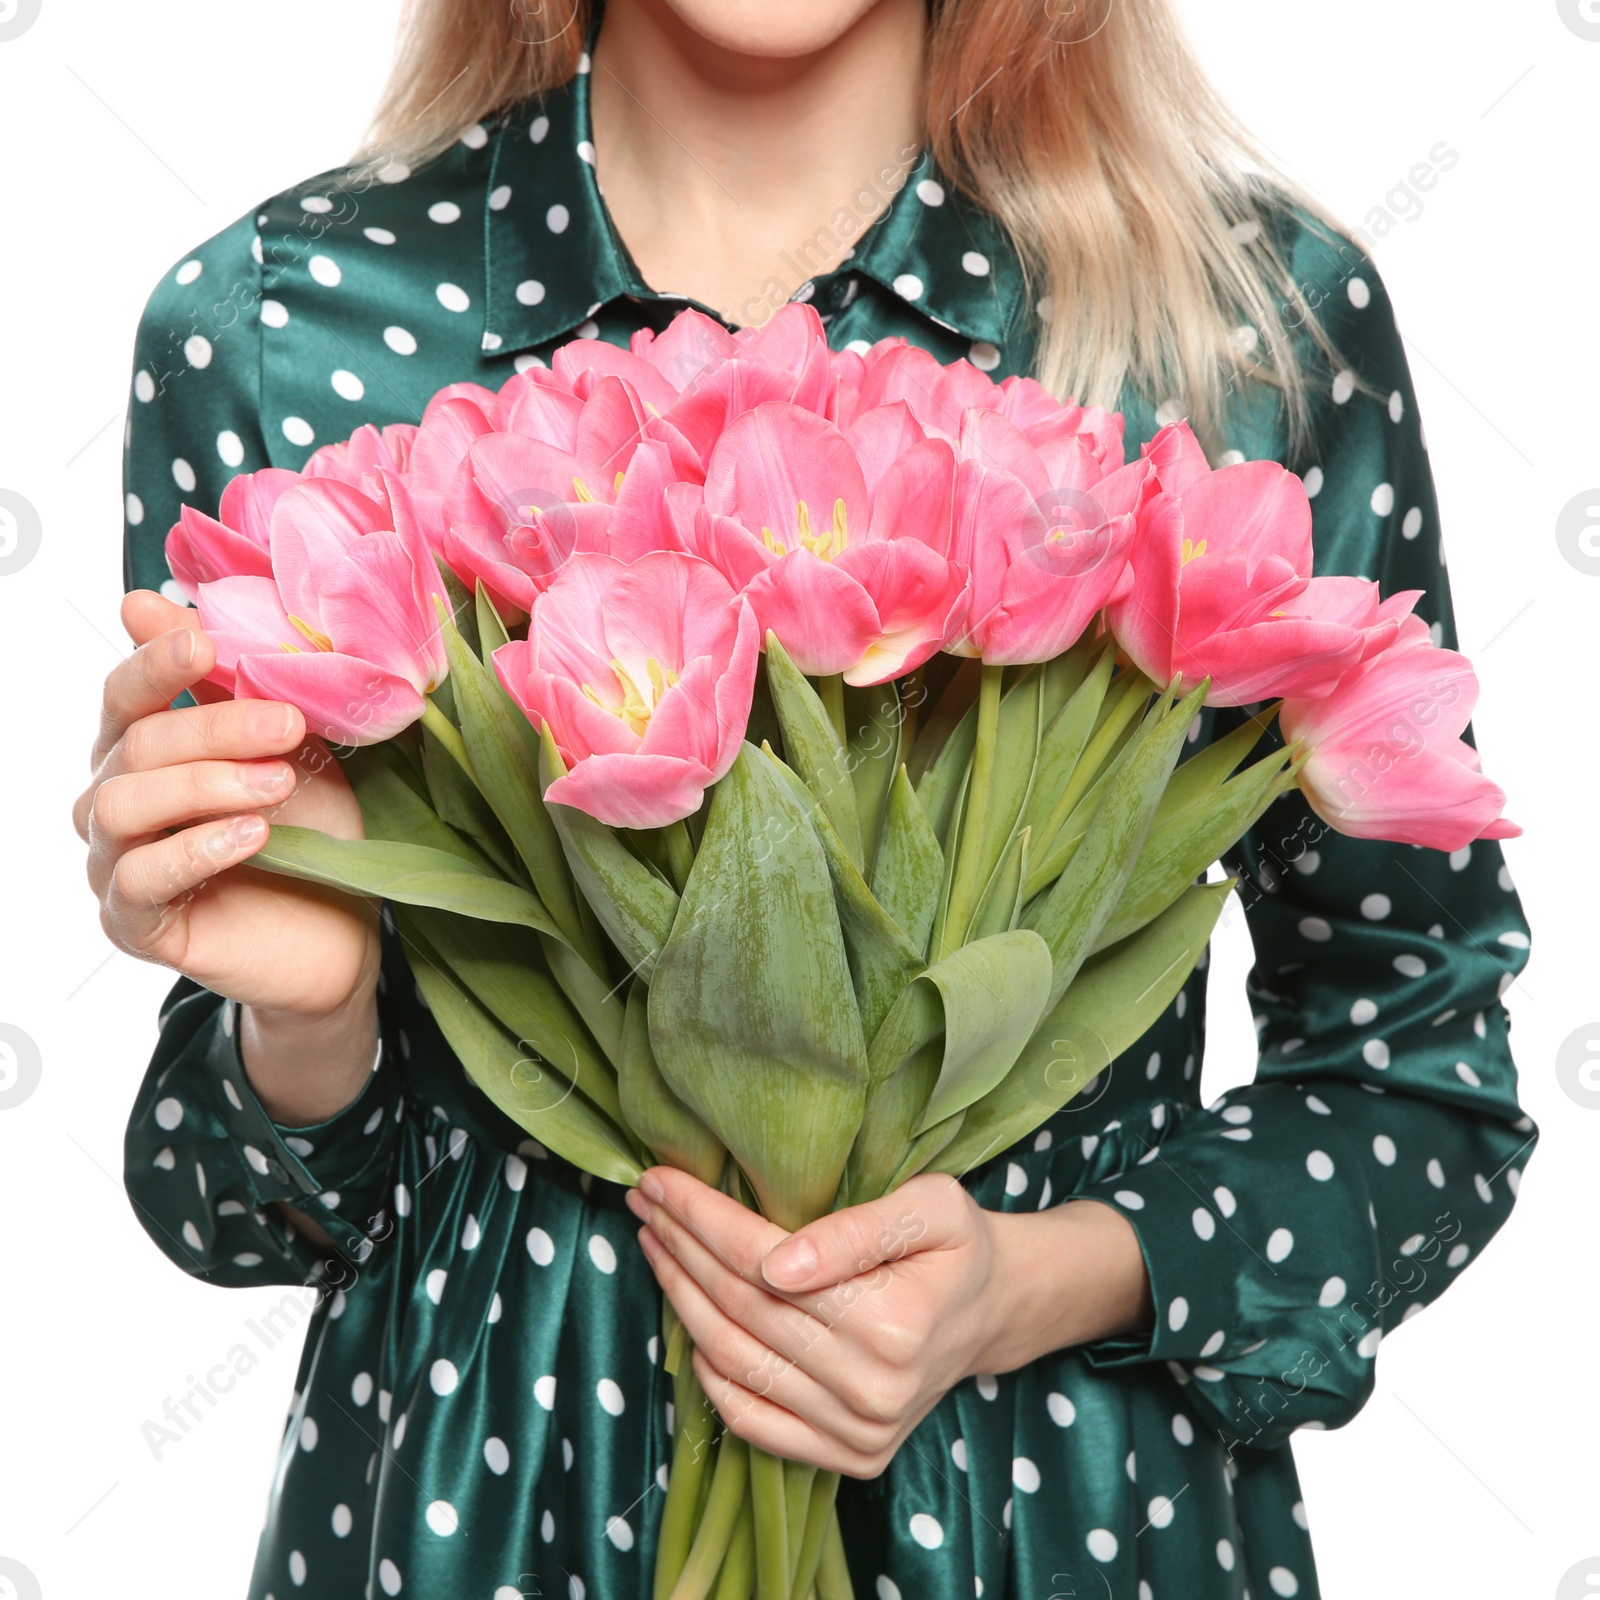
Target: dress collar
{"type": "Point", "coordinates": [553, 256]}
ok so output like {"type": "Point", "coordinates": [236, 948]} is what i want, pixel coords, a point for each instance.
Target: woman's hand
{"type": "Point", "coordinates": [830, 1344]}
{"type": "Point", "coordinates": [178, 801]}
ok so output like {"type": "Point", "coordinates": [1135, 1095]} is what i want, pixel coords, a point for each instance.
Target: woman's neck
{"type": "Point", "coordinates": [717, 164]}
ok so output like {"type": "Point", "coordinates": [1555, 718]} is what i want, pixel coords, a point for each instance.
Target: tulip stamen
{"type": "Point", "coordinates": [580, 491]}
{"type": "Point", "coordinates": [320, 640]}
{"type": "Point", "coordinates": [1191, 550]}
{"type": "Point", "coordinates": [776, 546]}
{"type": "Point", "coordinates": [825, 546]}
{"type": "Point", "coordinates": [636, 709]}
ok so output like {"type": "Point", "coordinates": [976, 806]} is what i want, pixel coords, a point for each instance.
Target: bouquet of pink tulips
{"type": "Point", "coordinates": [771, 754]}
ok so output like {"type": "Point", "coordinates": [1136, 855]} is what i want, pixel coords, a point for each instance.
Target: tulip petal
{"type": "Point", "coordinates": [822, 616]}
{"type": "Point", "coordinates": [633, 791]}
{"type": "Point", "coordinates": [313, 524]}
{"type": "Point", "coordinates": [243, 616]}
{"type": "Point", "coordinates": [345, 700]}
{"type": "Point", "coordinates": [595, 359]}
{"type": "Point", "coordinates": [915, 592]}
{"type": "Point", "coordinates": [201, 549]}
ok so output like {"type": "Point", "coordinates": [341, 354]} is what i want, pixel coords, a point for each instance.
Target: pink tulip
{"type": "Point", "coordinates": [849, 578]}
{"type": "Point", "coordinates": [345, 628]}
{"type": "Point", "coordinates": [1223, 586]}
{"type": "Point", "coordinates": [201, 549]}
{"type": "Point", "coordinates": [1386, 757]}
{"type": "Point", "coordinates": [644, 672]}
{"type": "Point", "coordinates": [369, 450]}
{"type": "Point", "coordinates": [688, 344]}
{"type": "Point", "coordinates": [1045, 534]}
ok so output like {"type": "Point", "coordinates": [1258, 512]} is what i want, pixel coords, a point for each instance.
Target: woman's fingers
{"type": "Point", "coordinates": [738, 1235]}
{"type": "Point", "coordinates": [153, 675]}
{"type": "Point", "coordinates": [132, 805]}
{"type": "Point", "coordinates": [137, 905]}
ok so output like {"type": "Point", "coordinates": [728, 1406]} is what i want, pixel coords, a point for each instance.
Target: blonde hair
{"type": "Point", "coordinates": [1132, 193]}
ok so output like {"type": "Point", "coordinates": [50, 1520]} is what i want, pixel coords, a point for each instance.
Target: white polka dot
{"type": "Point", "coordinates": [602, 1253]}
{"type": "Point", "coordinates": [541, 1247]}
{"type": "Point", "coordinates": [1344, 385]}
{"type": "Point", "coordinates": [1025, 1475]}
{"type": "Point", "coordinates": [1375, 1052]}
{"type": "Point", "coordinates": [495, 1308]}
{"type": "Point", "coordinates": [444, 211]}
{"type": "Point", "coordinates": [908, 286]}
{"type": "Point", "coordinates": [197, 351]}
{"type": "Point", "coordinates": [1170, 411]}
{"type": "Point", "coordinates": [183, 475]}
{"type": "Point", "coordinates": [983, 355]}
{"type": "Point", "coordinates": [442, 1518]}
{"type": "Point", "coordinates": [1182, 1428]}
{"type": "Point", "coordinates": [326, 271]}
{"type": "Point", "coordinates": [619, 1533]}
{"type": "Point", "coordinates": [188, 272]}
{"type": "Point", "coordinates": [1367, 1348]}
{"type": "Point", "coordinates": [1204, 1223]}
{"type": "Point", "coordinates": [1467, 1075]}
{"type": "Point", "coordinates": [1360, 294]}
{"type": "Point", "coordinates": [389, 1576]}
{"type": "Point", "coordinates": [1383, 1149]}
{"type": "Point", "coordinates": [343, 1521]}
{"type": "Point", "coordinates": [318, 204]}
{"type": "Point", "coordinates": [609, 1393]}
{"type": "Point", "coordinates": [133, 506]}
{"type": "Point", "coordinates": [958, 1453]}
{"type": "Point", "coordinates": [1320, 1165]}
{"type": "Point", "coordinates": [443, 1377]}
{"type": "Point", "coordinates": [379, 235]}
{"type": "Point", "coordinates": [1102, 1543]}
{"type": "Point", "coordinates": [230, 447]}
{"type": "Point", "coordinates": [402, 1200]}
{"type": "Point", "coordinates": [361, 1388]}
{"type": "Point", "coordinates": [1237, 1115]}
{"type": "Point", "coordinates": [1375, 907]}
{"type": "Point", "coordinates": [1160, 1512]}
{"type": "Point", "coordinates": [538, 128]}
{"type": "Point", "coordinates": [1410, 966]}
{"type": "Point", "coordinates": [1225, 1201]}
{"type": "Point", "coordinates": [886, 1588]}
{"type": "Point", "coordinates": [144, 386]}
{"type": "Point", "coordinates": [544, 1391]}
{"type": "Point", "coordinates": [930, 193]}
{"type": "Point", "coordinates": [1332, 1292]}
{"type": "Point", "coordinates": [1130, 1199]}
{"type": "Point", "coordinates": [1062, 1411]}
{"type": "Point", "coordinates": [1458, 1255]}
{"type": "Point", "coordinates": [434, 1284]}
{"type": "Point", "coordinates": [452, 297]}
{"type": "Point", "coordinates": [169, 1113]}
{"type": "Point", "coordinates": [1315, 929]}
{"type": "Point", "coordinates": [1307, 862]}
{"type": "Point", "coordinates": [1411, 526]}
{"type": "Point", "coordinates": [393, 171]}
{"type": "Point", "coordinates": [530, 292]}
{"type": "Point", "coordinates": [1177, 1313]}
{"type": "Point", "coordinates": [347, 385]}
{"type": "Point", "coordinates": [1279, 1243]}
{"type": "Point", "coordinates": [191, 1236]}
{"type": "Point", "coordinates": [297, 1568]}
{"type": "Point", "coordinates": [496, 1456]}
{"type": "Point", "coordinates": [274, 314]}
{"type": "Point", "coordinates": [1225, 1555]}
{"type": "Point", "coordinates": [1409, 1247]}
{"type": "Point", "coordinates": [987, 1385]}
{"type": "Point", "coordinates": [500, 198]}
{"type": "Point", "coordinates": [976, 264]}
{"type": "Point", "coordinates": [557, 218]}
{"type": "Point", "coordinates": [1383, 499]}
{"type": "Point", "coordinates": [1362, 1012]}
{"type": "Point", "coordinates": [1281, 1579]}
{"type": "Point", "coordinates": [309, 1433]}
{"type": "Point", "coordinates": [298, 431]}
{"type": "Point", "coordinates": [471, 1233]}
{"type": "Point", "coordinates": [1313, 482]}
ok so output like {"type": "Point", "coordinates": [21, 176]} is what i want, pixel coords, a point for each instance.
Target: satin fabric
{"type": "Point", "coordinates": [481, 1409]}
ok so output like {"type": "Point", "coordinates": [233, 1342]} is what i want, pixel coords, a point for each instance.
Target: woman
{"type": "Point", "coordinates": [1077, 1371]}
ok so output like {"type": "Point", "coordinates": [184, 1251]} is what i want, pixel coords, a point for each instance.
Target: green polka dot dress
{"type": "Point", "coordinates": [481, 1410]}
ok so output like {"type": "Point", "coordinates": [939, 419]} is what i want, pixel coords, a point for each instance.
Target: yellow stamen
{"type": "Point", "coordinates": [616, 483]}
{"type": "Point", "coordinates": [636, 710]}
{"type": "Point", "coordinates": [580, 491]}
{"type": "Point", "coordinates": [1191, 550]}
{"type": "Point", "coordinates": [776, 546]}
{"type": "Point", "coordinates": [291, 649]}
{"type": "Point", "coordinates": [825, 546]}
{"type": "Point", "coordinates": [320, 640]}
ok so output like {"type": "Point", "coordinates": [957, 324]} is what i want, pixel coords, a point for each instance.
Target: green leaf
{"type": "Point", "coordinates": [459, 601]}
{"type": "Point", "coordinates": [1113, 1001]}
{"type": "Point", "coordinates": [1063, 745]}
{"type": "Point", "coordinates": [908, 871]}
{"type": "Point", "coordinates": [994, 993]}
{"type": "Point", "coordinates": [491, 630]}
{"type": "Point", "coordinates": [505, 969]}
{"type": "Point", "coordinates": [675, 1135]}
{"type": "Point", "coordinates": [951, 686]}
{"type": "Point", "coordinates": [873, 721]}
{"type": "Point", "coordinates": [1001, 900]}
{"type": "Point", "coordinates": [1070, 916]}
{"type": "Point", "coordinates": [392, 809]}
{"type": "Point", "coordinates": [410, 874]}
{"type": "Point", "coordinates": [457, 801]}
{"type": "Point", "coordinates": [635, 904]}
{"type": "Point", "coordinates": [883, 959]}
{"type": "Point", "coordinates": [811, 747]}
{"type": "Point", "coordinates": [752, 1012]}
{"type": "Point", "coordinates": [940, 785]}
{"type": "Point", "coordinates": [508, 776]}
{"type": "Point", "coordinates": [592, 994]}
{"type": "Point", "coordinates": [529, 1094]}
{"type": "Point", "coordinates": [1180, 847]}
{"type": "Point", "coordinates": [1201, 774]}
{"type": "Point", "coordinates": [1064, 676]}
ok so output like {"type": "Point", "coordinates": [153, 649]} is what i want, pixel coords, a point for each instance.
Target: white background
{"type": "Point", "coordinates": [132, 132]}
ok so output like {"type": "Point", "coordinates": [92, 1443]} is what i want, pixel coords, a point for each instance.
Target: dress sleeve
{"type": "Point", "coordinates": [194, 419]}
{"type": "Point", "coordinates": [1293, 1224]}
{"type": "Point", "coordinates": [203, 1160]}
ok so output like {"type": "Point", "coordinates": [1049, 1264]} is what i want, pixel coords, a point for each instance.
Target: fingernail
{"type": "Point", "coordinates": [791, 1262]}
{"type": "Point", "coordinates": [244, 830]}
{"type": "Point", "coordinates": [649, 1243]}
{"type": "Point", "coordinates": [271, 723]}
{"type": "Point", "coordinates": [181, 651]}
{"type": "Point", "coordinates": [652, 1188]}
{"type": "Point", "coordinates": [264, 777]}
{"type": "Point", "coordinates": [638, 1205]}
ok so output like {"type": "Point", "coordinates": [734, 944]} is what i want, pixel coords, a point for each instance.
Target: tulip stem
{"type": "Point", "coordinates": [964, 884]}
{"type": "Point", "coordinates": [830, 689]}
{"type": "Point", "coordinates": [680, 853]}
{"type": "Point", "coordinates": [446, 732]}
{"type": "Point", "coordinates": [772, 1526]}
